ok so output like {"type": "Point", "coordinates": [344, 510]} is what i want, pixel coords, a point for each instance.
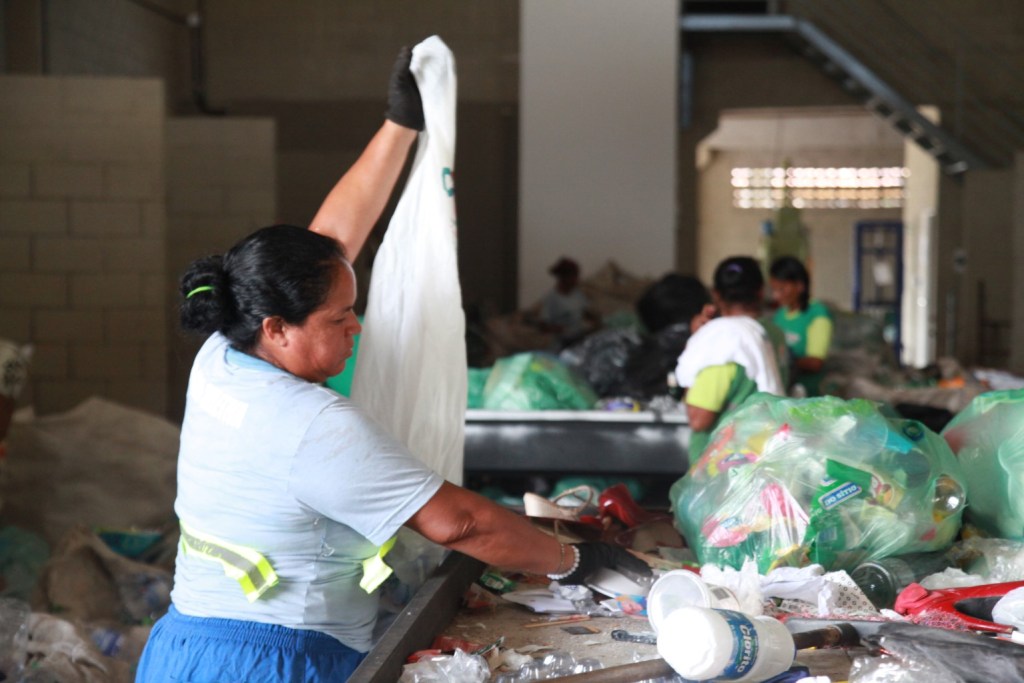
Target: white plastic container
{"type": "Point", "coordinates": [701, 643]}
{"type": "Point", "coordinates": [683, 588]}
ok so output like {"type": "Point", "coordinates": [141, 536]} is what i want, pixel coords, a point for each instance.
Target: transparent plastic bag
{"type": "Point", "coordinates": [536, 381]}
{"type": "Point", "coordinates": [888, 669]}
{"type": "Point", "coordinates": [789, 482]}
{"type": "Point", "coordinates": [457, 668]}
{"type": "Point", "coordinates": [939, 655]}
{"type": "Point", "coordinates": [988, 439]}
{"type": "Point", "coordinates": [996, 560]}
{"type": "Point", "coordinates": [477, 381]}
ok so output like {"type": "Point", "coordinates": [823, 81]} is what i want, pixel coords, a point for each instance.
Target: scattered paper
{"type": "Point", "coordinates": [540, 600]}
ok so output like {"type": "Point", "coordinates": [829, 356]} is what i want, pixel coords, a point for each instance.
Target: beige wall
{"type": "Point", "coordinates": [598, 128]}
{"type": "Point", "coordinates": [103, 202]}
{"type": "Point", "coordinates": [320, 68]}
{"type": "Point", "coordinates": [986, 299]}
{"type": "Point", "coordinates": [809, 137]}
{"type": "Point", "coordinates": [325, 50]}
{"type": "Point", "coordinates": [220, 187]}
{"type": "Point", "coordinates": [976, 219]}
{"type": "Point", "coordinates": [82, 236]}
{"type": "Point", "coordinates": [738, 72]}
{"type": "Point", "coordinates": [748, 71]}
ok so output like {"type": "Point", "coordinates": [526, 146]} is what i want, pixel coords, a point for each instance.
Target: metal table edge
{"type": "Point", "coordinates": [429, 611]}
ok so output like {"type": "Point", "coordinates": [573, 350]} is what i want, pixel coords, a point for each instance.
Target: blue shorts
{"type": "Point", "coordinates": [208, 650]}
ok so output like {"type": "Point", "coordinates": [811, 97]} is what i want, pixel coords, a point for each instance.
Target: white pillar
{"type": "Point", "coordinates": [598, 95]}
{"type": "Point", "coordinates": [920, 253]}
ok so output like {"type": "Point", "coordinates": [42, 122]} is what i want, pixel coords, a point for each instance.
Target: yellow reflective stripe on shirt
{"type": "Point", "coordinates": [375, 570]}
{"type": "Point", "coordinates": [252, 571]}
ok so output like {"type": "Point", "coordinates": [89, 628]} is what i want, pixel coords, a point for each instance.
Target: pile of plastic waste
{"type": "Point", "coordinates": [788, 482]}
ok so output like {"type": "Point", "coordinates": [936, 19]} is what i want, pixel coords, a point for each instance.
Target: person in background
{"type": "Point", "coordinates": [288, 495]}
{"type": "Point", "coordinates": [671, 309]}
{"type": "Point", "coordinates": [14, 362]}
{"type": "Point", "coordinates": [730, 357]}
{"type": "Point", "coordinates": [565, 310]}
{"type": "Point", "coordinates": [806, 323]}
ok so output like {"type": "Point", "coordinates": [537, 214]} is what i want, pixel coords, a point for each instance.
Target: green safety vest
{"type": "Point", "coordinates": [740, 388]}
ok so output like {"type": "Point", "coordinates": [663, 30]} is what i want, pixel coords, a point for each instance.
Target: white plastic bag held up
{"type": "Point", "coordinates": [411, 371]}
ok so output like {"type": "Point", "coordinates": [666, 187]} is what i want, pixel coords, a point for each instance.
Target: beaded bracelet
{"type": "Point", "coordinates": [561, 561]}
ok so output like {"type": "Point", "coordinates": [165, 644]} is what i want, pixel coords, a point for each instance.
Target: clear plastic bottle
{"type": "Point", "coordinates": [883, 580]}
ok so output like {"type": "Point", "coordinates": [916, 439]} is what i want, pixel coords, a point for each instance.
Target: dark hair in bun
{"type": "Point", "coordinates": [284, 271]}
{"type": "Point", "coordinates": [738, 280]}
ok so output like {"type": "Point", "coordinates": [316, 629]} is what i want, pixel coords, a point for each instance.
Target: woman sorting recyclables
{"type": "Point", "coordinates": [730, 357]}
{"type": "Point", "coordinates": [806, 323]}
{"type": "Point", "coordinates": [286, 491]}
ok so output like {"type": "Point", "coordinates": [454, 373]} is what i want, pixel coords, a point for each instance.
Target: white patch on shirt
{"type": "Point", "coordinates": [217, 403]}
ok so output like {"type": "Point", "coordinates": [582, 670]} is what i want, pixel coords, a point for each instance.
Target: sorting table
{"type": "Point", "coordinates": [434, 610]}
{"type": "Point", "coordinates": [576, 441]}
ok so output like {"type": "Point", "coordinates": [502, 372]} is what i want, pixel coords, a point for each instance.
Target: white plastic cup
{"type": "Point", "coordinates": [683, 588]}
{"type": "Point", "coordinates": [701, 643]}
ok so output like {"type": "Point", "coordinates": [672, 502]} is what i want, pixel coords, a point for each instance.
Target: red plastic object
{"type": "Point", "coordinates": [616, 501]}
{"type": "Point", "coordinates": [423, 654]}
{"type": "Point", "coordinates": [968, 605]}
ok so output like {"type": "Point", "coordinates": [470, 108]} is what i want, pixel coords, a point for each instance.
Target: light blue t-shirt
{"type": "Point", "coordinates": [296, 472]}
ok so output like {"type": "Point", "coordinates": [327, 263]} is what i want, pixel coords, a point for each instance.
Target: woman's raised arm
{"type": "Point", "coordinates": [353, 206]}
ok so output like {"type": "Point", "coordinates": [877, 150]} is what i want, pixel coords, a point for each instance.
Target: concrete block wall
{"type": "Point", "coordinates": [221, 182]}
{"type": "Point", "coordinates": [344, 50]}
{"type": "Point", "coordinates": [82, 236]}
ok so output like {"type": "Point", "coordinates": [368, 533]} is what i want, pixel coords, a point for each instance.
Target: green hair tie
{"type": "Point", "coordinates": [204, 288]}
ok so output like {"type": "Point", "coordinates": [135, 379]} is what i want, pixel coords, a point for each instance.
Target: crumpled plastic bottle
{"type": "Point", "coordinates": [457, 668]}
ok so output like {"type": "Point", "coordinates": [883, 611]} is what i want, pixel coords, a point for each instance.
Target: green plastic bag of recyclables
{"type": "Point", "coordinates": [988, 438]}
{"type": "Point", "coordinates": [536, 381]}
{"type": "Point", "coordinates": [789, 482]}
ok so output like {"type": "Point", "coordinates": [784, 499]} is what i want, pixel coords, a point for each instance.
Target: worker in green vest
{"type": "Point", "coordinates": [806, 323]}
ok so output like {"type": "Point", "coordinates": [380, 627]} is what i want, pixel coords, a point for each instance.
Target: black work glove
{"type": "Point", "coordinates": [404, 105]}
{"type": "Point", "coordinates": [594, 556]}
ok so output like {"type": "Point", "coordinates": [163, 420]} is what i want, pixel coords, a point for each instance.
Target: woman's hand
{"type": "Point", "coordinates": [595, 556]}
{"type": "Point", "coordinates": [404, 104]}
{"type": "Point", "coordinates": [353, 206]}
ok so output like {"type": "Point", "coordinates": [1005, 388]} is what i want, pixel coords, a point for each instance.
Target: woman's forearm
{"type": "Point", "coordinates": [468, 522]}
{"type": "Point", "coordinates": [353, 206]}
